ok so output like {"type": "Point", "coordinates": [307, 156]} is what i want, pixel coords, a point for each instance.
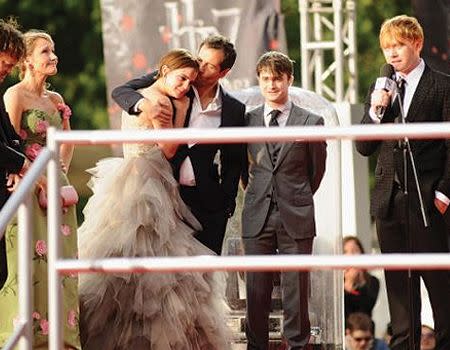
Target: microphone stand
{"type": "Point", "coordinates": [407, 153]}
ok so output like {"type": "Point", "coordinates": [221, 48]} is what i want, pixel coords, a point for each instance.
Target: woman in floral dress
{"type": "Point", "coordinates": [32, 109]}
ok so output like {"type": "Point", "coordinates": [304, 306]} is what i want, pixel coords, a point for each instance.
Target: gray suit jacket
{"type": "Point", "coordinates": [292, 180]}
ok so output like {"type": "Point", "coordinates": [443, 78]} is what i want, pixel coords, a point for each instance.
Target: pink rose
{"type": "Point", "coordinates": [44, 326]}
{"type": "Point", "coordinates": [41, 247]}
{"type": "Point", "coordinates": [72, 318]}
{"type": "Point", "coordinates": [66, 230]}
{"type": "Point", "coordinates": [36, 315]}
{"type": "Point", "coordinates": [33, 150]}
{"type": "Point", "coordinates": [23, 134]}
{"type": "Point", "coordinates": [65, 110]}
{"type": "Point", "coordinates": [42, 126]}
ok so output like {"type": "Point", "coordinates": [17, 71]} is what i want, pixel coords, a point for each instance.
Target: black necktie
{"type": "Point", "coordinates": [401, 83]}
{"type": "Point", "coordinates": [401, 89]}
{"type": "Point", "coordinates": [274, 147]}
{"type": "Point", "coordinates": [273, 117]}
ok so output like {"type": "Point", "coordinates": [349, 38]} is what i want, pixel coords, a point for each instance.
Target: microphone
{"type": "Point", "coordinates": [385, 83]}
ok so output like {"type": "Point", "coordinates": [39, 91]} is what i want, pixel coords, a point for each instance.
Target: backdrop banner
{"type": "Point", "coordinates": [434, 18]}
{"type": "Point", "coordinates": [136, 33]}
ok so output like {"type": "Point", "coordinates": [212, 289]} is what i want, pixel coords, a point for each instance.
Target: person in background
{"type": "Point", "coordinates": [360, 287]}
{"type": "Point", "coordinates": [427, 338]}
{"type": "Point", "coordinates": [360, 335]}
{"type": "Point", "coordinates": [32, 109]}
{"type": "Point", "coordinates": [12, 161]}
{"type": "Point", "coordinates": [388, 333]}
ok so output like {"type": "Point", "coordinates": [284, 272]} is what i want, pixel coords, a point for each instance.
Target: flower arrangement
{"type": "Point", "coordinates": [72, 318]}
{"type": "Point", "coordinates": [41, 247]}
{"type": "Point", "coordinates": [42, 126]}
{"type": "Point", "coordinates": [65, 110]}
{"type": "Point", "coordinates": [23, 134]}
{"type": "Point", "coordinates": [32, 151]}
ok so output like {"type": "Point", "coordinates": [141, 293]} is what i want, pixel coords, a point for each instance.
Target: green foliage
{"type": "Point", "coordinates": [289, 8]}
{"type": "Point", "coordinates": [369, 17]}
{"type": "Point", "coordinates": [75, 26]}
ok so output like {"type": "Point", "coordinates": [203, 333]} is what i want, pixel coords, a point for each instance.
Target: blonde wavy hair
{"type": "Point", "coordinates": [30, 39]}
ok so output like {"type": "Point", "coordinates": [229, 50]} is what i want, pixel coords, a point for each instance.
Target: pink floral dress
{"type": "Point", "coordinates": [34, 125]}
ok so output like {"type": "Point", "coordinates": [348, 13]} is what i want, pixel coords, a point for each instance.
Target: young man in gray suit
{"type": "Point", "coordinates": [278, 213]}
{"type": "Point", "coordinates": [400, 229]}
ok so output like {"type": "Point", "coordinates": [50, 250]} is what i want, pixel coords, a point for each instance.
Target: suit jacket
{"type": "Point", "coordinates": [11, 160]}
{"type": "Point", "coordinates": [217, 185]}
{"type": "Point", "coordinates": [292, 181]}
{"type": "Point", "coordinates": [430, 103]}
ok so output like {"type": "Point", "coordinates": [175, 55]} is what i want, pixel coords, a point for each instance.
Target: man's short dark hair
{"type": "Point", "coordinates": [219, 42]}
{"type": "Point", "coordinates": [11, 39]}
{"type": "Point", "coordinates": [276, 62]}
{"type": "Point", "coordinates": [359, 321]}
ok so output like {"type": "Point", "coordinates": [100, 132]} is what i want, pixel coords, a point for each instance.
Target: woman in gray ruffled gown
{"type": "Point", "coordinates": [136, 211]}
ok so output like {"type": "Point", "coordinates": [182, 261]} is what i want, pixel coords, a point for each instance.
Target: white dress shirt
{"type": "Point", "coordinates": [210, 117]}
{"type": "Point", "coordinates": [411, 82]}
{"type": "Point", "coordinates": [282, 117]}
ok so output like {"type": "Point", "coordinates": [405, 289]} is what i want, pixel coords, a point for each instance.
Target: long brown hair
{"type": "Point", "coordinates": [176, 59]}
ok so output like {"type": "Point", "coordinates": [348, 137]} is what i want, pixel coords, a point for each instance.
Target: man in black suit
{"type": "Point", "coordinates": [400, 227]}
{"type": "Point", "coordinates": [12, 48]}
{"type": "Point", "coordinates": [278, 213]}
{"type": "Point", "coordinates": [208, 187]}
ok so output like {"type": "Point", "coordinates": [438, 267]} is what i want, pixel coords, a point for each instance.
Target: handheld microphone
{"type": "Point", "coordinates": [385, 83]}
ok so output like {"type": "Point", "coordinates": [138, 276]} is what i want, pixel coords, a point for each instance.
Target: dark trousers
{"type": "Point", "coordinates": [3, 261]}
{"type": "Point", "coordinates": [396, 235]}
{"type": "Point", "coordinates": [294, 287]}
{"type": "Point", "coordinates": [214, 223]}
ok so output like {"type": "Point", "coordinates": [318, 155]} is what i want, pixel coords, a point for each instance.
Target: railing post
{"type": "Point", "coordinates": [25, 236]}
{"type": "Point", "coordinates": [54, 224]}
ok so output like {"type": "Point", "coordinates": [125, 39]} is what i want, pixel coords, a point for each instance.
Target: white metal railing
{"type": "Point", "coordinates": [21, 199]}
{"type": "Point", "coordinates": [202, 263]}
{"type": "Point", "coordinates": [231, 135]}
{"type": "Point", "coordinates": [248, 135]}
{"type": "Point", "coordinates": [422, 261]}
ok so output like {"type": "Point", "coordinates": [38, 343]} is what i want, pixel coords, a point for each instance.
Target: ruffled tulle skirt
{"type": "Point", "coordinates": [136, 211]}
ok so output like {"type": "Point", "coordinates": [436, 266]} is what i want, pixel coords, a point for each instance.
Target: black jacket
{"type": "Point", "coordinates": [217, 184]}
{"type": "Point", "coordinates": [432, 157]}
{"type": "Point", "coordinates": [11, 158]}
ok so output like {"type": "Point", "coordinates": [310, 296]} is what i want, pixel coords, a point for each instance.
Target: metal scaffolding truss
{"type": "Point", "coordinates": [328, 48]}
